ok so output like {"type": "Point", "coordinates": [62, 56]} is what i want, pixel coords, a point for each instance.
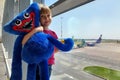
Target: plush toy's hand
{"type": "Point", "coordinates": [56, 49]}
{"type": "Point", "coordinates": [68, 44]}
{"type": "Point", "coordinates": [64, 45]}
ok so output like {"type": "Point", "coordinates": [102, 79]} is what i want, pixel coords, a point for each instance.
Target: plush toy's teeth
{"type": "Point", "coordinates": [28, 25]}
{"type": "Point", "coordinates": [31, 24]}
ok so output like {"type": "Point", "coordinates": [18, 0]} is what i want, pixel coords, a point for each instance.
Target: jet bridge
{"type": "Point", "coordinates": [62, 6]}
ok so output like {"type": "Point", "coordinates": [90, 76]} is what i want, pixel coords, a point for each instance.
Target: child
{"type": "Point", "coordinates": [45, 20]}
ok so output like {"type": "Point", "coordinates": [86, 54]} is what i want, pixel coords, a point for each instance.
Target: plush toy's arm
{"type": "Point", "coordinates": [68, 43]}
{"type": "Point", "coordinates": [16, 72]}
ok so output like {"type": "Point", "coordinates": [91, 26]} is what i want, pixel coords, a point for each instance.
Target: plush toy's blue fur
{"type": "Point", "coordinates": [36, 50]}
{"type": "Point", "coordinates": [40, 46]}
{"type": "Point", "coordinates": [33, 8]}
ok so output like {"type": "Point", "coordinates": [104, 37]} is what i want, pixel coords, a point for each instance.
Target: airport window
{"type": "Point", "coordinates": [50, 2]}
{"type": "Point", "coordinates": [96, 47]}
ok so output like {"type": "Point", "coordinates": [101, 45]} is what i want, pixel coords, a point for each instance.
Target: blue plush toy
{"type": "Point", "coordinates": [37, 49]}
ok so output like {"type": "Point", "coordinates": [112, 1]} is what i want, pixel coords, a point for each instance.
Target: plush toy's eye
{"type": "Point", "coordinates": [18, 22]}
{"type": "Point", "coordinates": [26, 15]}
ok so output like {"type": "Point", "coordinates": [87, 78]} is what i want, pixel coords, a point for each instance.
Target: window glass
{"type": "Point", "coordinates": [95, 29]}
{"type": "Point", "coordinates": [50, 2]}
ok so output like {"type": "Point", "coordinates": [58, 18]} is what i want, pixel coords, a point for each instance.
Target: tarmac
{"type": "Point", "coordinates": [70, 66]}
{"type": "Point", "coordinates": [110, 51]}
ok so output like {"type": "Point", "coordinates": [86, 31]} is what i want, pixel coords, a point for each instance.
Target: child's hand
{"type": "Point", "coordinates": [56, 50]}
{"type": "Point", "coordinates": [27, 36]}
{"type": "Point", "coordinates": [62, 41]}
{"type": "Point", "coordinates": [38, 29]}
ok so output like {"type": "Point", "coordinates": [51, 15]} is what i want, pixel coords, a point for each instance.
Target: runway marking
{"type": "Point", "coordinates": [69, 76]}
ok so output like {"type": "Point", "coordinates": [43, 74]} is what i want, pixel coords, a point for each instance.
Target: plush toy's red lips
{"type": "Point", "coordinates": [26, 25]}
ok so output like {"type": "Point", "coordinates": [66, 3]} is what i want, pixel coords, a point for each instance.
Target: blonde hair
{"type": "Point", "coordinates": [45, 9]}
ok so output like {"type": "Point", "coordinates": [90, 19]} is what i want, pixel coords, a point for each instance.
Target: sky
{"type": "Point", "coordinates": [89, 21]}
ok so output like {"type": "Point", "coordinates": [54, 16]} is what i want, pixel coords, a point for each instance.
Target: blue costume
{"type": "Point", "coordinates": [37, 49]}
